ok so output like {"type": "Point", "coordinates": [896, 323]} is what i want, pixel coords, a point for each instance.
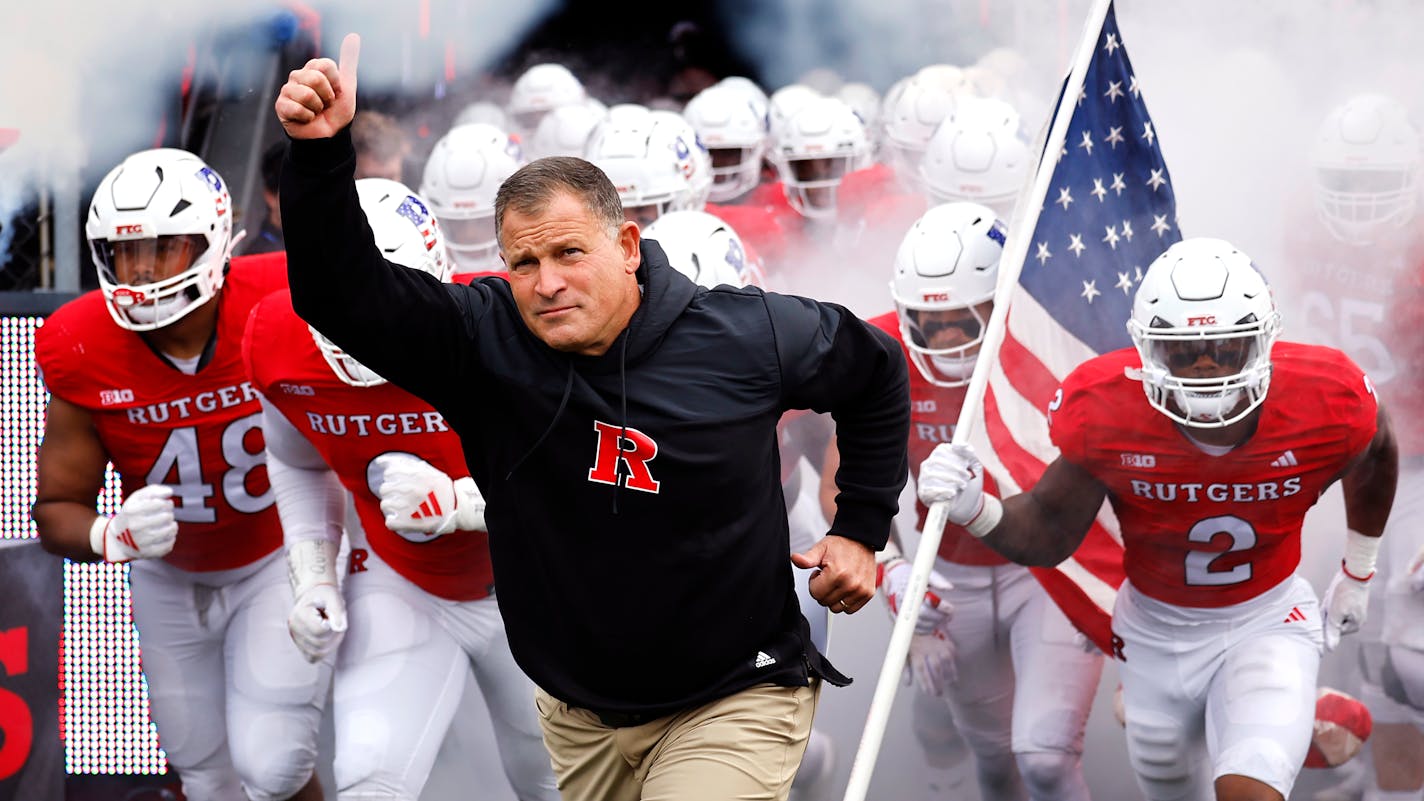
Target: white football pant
{"type": "Point", "coordinates": [236, 704]}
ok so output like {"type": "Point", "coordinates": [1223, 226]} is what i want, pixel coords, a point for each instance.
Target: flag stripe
{"type": "Point", "coordinates": [1109, 211]}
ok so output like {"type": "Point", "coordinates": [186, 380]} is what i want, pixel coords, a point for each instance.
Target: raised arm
{"type": "Point", "coordinates": [404, 324]}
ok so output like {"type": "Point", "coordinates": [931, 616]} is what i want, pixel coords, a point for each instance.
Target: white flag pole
{"type": "Point", "coordinates": [1028, 206]}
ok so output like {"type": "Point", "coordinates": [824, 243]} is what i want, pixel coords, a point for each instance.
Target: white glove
{"type": "Point", "coordinates": [1344, 605]}
{"type": "Point", "coordinates": [954, 475]}
{"type": "Point", "coordinates": [318, 617]}
{"type": "Point", "coordinates": [421, 502]}
{"type": "Point", "coordinates": [1416, 572]}
{"type": "Point", "coordinates": [930, 663]}
{"type": "Point", "coordinates": [143, 528]}
{"type": "Point", "coordinates": [892, 578]}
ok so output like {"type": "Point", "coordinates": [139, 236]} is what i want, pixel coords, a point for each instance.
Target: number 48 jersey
{"type": "Point", "coordinates": [199, 434]}
{"type": "Point", "coordinates": [1210, 531]}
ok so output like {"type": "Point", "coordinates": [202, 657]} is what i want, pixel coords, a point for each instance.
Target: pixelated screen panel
{"type": "Point", "coordinates": [104, 718]}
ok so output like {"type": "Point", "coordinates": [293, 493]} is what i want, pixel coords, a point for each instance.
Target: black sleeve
{"type": "Point", "coordinates": [404, 324]}
{"type": "Point", "coordinates": [832, 361]}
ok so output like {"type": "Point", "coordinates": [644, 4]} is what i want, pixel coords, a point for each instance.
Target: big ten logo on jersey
{"type": "Point", "coordinates": [622, 457]}
{"type": "Point", "coordinates": [190, 406]}
{"type": "Point", "coordinates": [412, 209]}
{"type": "Point", "coordinates": [17, 724]}
{"type": "Point", "coordinates": [387, 424]}
{"type": "Point", "coordinates": [114, 397]}
{"type": "Point", "coordinates": [296, 389]}
{"type": "Point", "coordinates": [1145, 461]}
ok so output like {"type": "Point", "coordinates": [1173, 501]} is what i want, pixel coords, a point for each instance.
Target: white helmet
{"type": "Point", "coordinates": [750, 92]}
{"type": "Point", "coordinates": [648, 157]}
{"type": "Point", "coordinates": [541, 89]}
{"type": "Point", "coordinates": [160, 207]}
{"type": "Point", "coordinates": [1366, 168]}
{"type": "Point", "coordinates": [461, 178]}
{"type": "Point", "coordinates": [702, 247]}
{"type": "Point", "coordinates": [814, 151]}
{"type": "Point", "coordinates": [565, 131]}
{"type": "Point", "coordinates": [864, 100]}
{"type": "Point", "coordinates": [784, 103]}
{"type": "Point", "coordinates": [977, 155]}
{"type": "Point", "coordinates": [912, 117]}
{"type": "Point", "coordinates": [734, 135]}
{"type": "Point", "coordinates": [1203, 297]}
{"type": "Point", "coordinates": [407, 234]}
{"type": "Point", "coordinates": [949, 260]}
{"type": "Point", "coordinates": [700, 178]}
{"type": "Point", "coordinates": [482, 111]}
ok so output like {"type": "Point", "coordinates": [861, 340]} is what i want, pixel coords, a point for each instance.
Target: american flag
{"type": "Point", "coordinates": [1109, 211]}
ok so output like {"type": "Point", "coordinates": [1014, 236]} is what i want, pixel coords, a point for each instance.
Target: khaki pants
{"type": "Point", "coordinates": [745, 746]}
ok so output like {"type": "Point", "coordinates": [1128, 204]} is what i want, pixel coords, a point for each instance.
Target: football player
{"type": "Point", "coordinates": [146, 373]}
{"type": "Point", "coordinates": [989, 643]}
{"type": "Point", "coordinates": [539, 90]}
{"type": "Point", "coordinates": [420, 608]}
{"type": "Point", "coordinates": [1211, 440]}
{"type": "Point", "coordinates": [654, 159]}
{"type": "Point", "coordinates": [461, 177]}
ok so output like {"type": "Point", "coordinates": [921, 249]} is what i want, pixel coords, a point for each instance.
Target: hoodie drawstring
{"type": "Point", "coordinates": [623, 421]}
{"type": "Point", "coordinates": [563, 402]}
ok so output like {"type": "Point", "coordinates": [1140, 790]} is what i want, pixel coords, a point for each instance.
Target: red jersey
{"type": "Point", "coordinates": [934, 412]}
{"type": "Point", "coordinates": [875, 200]}
{"type": "Point", "coordinates": [1211, 531]}
{"type": "Point", "coordinates": [199, 434]}
{"type": "Point", "coordinates": [349, 426]}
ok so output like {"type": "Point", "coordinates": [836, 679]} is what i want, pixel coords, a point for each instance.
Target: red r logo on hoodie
{"type": "Point", "coordinates": [634, 449]}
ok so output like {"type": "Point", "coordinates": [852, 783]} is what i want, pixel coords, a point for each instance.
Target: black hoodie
{"type": "Point", "coordinates": [673, 586]}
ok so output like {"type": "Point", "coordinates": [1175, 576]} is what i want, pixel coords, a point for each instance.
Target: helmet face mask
{"type": "Point", "coordinates": [1367, 161]}
{"type": "Point", "coordinates": [406, 233]}
{"type": "Point", "coordinates": [946, 271]}
{"type": "Point", "coordinates": [160, 232]}
{"type": "Point", "coordinates": [816, 148]}
{"type": "Point", "coordinates": [729, 124]}
{"type": "Point", "coordinates": [1203, 323]}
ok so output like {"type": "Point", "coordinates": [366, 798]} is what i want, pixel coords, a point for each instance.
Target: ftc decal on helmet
{"type": "Point", "coordinates": [1203, 321]}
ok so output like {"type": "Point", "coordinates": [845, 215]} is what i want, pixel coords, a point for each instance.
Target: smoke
{"type": "Point", "coordinates": [87, 83]}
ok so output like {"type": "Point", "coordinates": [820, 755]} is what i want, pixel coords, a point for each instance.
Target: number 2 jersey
{"type": "Point", "coordinates": [200, 434]}
{"type": "Point", "coordinates": [350, 426]}
{"type": "Point", "coordinates": [1209, 531]}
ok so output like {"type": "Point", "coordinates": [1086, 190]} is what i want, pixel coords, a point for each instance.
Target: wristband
{"type": "Point", "coordinates": [988, 517]}
{"type": "Point", "coordinates": [96, 535]}
{"type": "Point", "coordinates": [309, 563]}
{"type": "Point", "coordinates": [1360, 555]}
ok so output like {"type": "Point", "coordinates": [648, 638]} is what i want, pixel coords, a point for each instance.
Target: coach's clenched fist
{"type": "Point", "coordinates": [320, 98]}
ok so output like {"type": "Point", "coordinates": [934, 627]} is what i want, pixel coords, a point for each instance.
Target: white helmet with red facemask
{"type": "Point", "coordinates": [167, 217]}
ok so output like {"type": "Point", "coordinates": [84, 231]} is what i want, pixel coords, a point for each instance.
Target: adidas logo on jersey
{"type": "Point", "coordinates": [1295, 615]}
{"type": "Point", "coordinates": [1286, 459]}
{"type": "Point", "coordinates": [763, 659]}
